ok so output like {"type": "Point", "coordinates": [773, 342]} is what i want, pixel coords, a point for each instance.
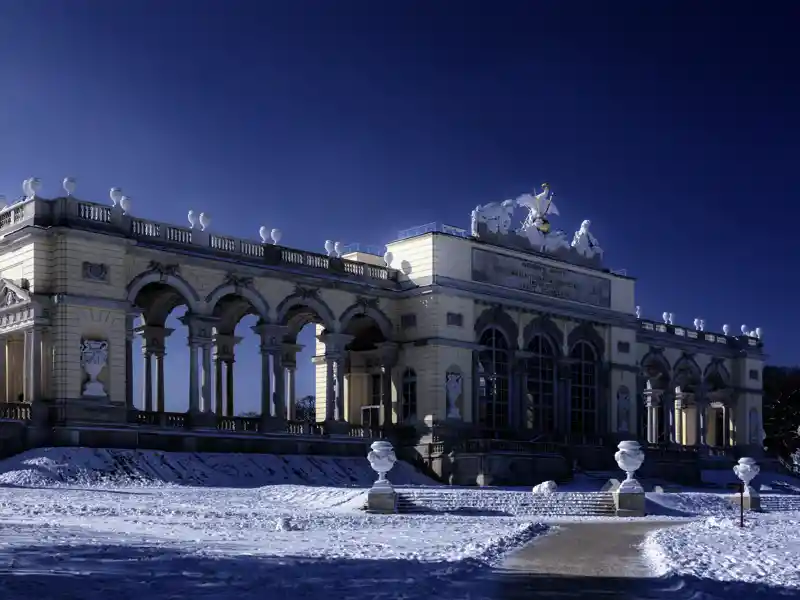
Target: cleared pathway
{"type": "Point", "coordinates": [581, 561]}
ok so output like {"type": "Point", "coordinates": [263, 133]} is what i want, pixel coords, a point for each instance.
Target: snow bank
{"type": "Point", "coordinates": [764, 552]}
{"type": "Point", "coordinates": [92, 467]}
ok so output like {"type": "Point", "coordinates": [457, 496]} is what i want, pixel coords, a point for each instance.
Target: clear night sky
{"type": "Point", "coordinates": [673, 127]}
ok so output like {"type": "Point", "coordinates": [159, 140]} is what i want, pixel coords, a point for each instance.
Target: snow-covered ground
{"type": "Point", "coordinates": [81, 523]}
{"type": "Point", "coordinates": [766, 552]}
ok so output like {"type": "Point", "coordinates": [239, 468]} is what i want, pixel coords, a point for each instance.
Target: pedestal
{"type": "Point", "coordinates": [629, 504]}
{"type": "Point", "coordinates": [382, 499]}
{"type": "Point", "coordinates": [752, 500]}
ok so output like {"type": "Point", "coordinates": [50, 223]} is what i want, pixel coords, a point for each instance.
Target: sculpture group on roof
{"type": "Point", "coordinates": [493, 223]}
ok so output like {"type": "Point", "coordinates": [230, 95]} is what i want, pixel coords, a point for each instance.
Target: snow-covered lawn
{"type": "Point", "coordinates": [766, 552]}
{"type": "Point", "coordinates": [168, 542]}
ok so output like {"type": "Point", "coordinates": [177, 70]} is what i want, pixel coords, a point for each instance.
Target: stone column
{"type": "Point", "coordinates": [3, 370]}
{"type": "Point", "coordinates": [279, 394]}
{"type": "Point", "coordinates": [153, 345]}
{"type": "Point", "coordinates": [14, 350]}
{"type": "Point", "coordinates": [335, 344]}
{"type": "Point", "coordinates": [680, 402]}
{"type": "Point", "coordinates": [266, 380]}
{"type": "Point", "coordinates": [224, 347]}
{"type": "Point", "coordinates": [229, 387]}
{"type": "Point", "coordinates": [290, 365]}
{"type": "Point", "coordinates": [205, 389]}
{"type": "Point", "coordinates": [388, 357]}
{"type": "Point", "coordinates": [194, 390]}
{"type": "Point", "coordinates": [652, 400]}
{"type": "Point", "coordinates": [33, 364]}
{"type": "Point", "coordinates": [701, 407]}
{"type": "Point", "coordinates": [271, 338]}
{"type": "Point", "coordinates": [147, 383]}
{"type": "Point", "coordinates": [201, 329]}
{"type": "Point", "coordinates": [129, 334]}
{"type": "Point", "coordinates": [671, 428]}
{"type": "Point", "coordinates": [161, 405]}
{"type": "Point", "coordinates": [218, 383]}
{"type": "Point", "coordinates": [726, 430]}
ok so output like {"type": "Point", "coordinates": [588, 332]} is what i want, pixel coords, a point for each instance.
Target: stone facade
{"type": "Point", "coordinates": [521, 353]}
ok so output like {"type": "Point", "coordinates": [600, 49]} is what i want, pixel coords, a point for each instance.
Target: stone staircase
{"type": "Point", "coordinates": [504, 503]}
{"type": "Point", "coordinates": [780, 502]}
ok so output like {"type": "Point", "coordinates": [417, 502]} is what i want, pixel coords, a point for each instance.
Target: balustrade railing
{"type": "Point", "coordinates": [15, 411]}
{"type": "Point", "coordinates": [106, 218]}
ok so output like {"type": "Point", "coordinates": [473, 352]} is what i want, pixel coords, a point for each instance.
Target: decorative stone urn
{"type": "Point", "coordinates": [381, 459]}
{"type": "Point", "coordinates": [382, 498]}
{"type": "Point", "coordinates": [629, 457]}
{"type": "Point", "coordinates": [94, 356]}
{"type": "Point", "coordinates": [746, 471]}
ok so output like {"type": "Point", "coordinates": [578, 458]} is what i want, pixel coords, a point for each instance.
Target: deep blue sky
{"type": "Point", "coordinates": [673, 126]}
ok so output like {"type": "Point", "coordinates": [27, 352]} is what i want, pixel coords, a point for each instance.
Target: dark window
{"type": "Point", "coordinates": [409, 395]}
{"type": "Point", "coordinates": [623, 347]}
{"type": "Point", "coordinates": [754, 374]}
{"type": "Point", "coordinates": [455, 319]}
{"type": "Point", "coordinates": [540, 375]}
{"type": "Point", "coordinates": [407, 321]}
{"type": "Point", "coordinates": [493, 375]}
{"type": "Point", "coordinates": [583, 389]}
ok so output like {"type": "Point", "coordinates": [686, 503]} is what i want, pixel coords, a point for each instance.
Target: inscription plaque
{"type": "Point", "coordinates": [521, 274]}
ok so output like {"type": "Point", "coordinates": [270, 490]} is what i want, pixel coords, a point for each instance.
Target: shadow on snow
{"type": "Point", "coordinates": [96, 572]}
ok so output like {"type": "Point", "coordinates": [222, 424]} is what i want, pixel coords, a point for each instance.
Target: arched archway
{"type": "Point", "coordinates": [158, 379]}
{"type": "Point", "coordinates": [369, 377]}
{"type": "Point", "coordinates": [236, 311]}
{"type": "Point", "coordinates": [306, 320]}
{"type": "Point", "coordinates": [655, 370]}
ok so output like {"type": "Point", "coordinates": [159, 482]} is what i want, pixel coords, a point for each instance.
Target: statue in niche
{"type": "Point", "coordinates": [453, 387]}
{"type": "Point", "coordinates": [623, 409]}
{"type": "Point", "coordinates": [585, 243]}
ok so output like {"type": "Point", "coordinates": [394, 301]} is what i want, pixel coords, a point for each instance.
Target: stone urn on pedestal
{"type": "Point", "coordinates": [381, 497]}
{"type": "Point", "coordinates": [746, 470]}
{"type": "Point", "coordinates": [629, 497]}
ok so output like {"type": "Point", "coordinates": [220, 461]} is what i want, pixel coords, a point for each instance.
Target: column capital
{"type": "Point", "coordinates": [334, 342]}
{"type": "Point", "coordinates": [652, 397]}
{"type": "Point", "coordinates": [224, 346]}
{"type": "Point", "coordinates": [154, 337]}
{"type": "Point", "coordinates": [271, 335]}
{"type": "Point", "coordinates": [201, 328]}
{"type": "Point", "coordinates": [289, 354]}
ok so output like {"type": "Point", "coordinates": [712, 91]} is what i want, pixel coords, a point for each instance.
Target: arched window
{"type": "Point", "coordinates": [408, 387]}
{"type": "Point", "coordinates": [540, 373]}
{"type": "Point", "coordinates": [493, 373]}
{"type": "Point", "coordinates": [583, 387]}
